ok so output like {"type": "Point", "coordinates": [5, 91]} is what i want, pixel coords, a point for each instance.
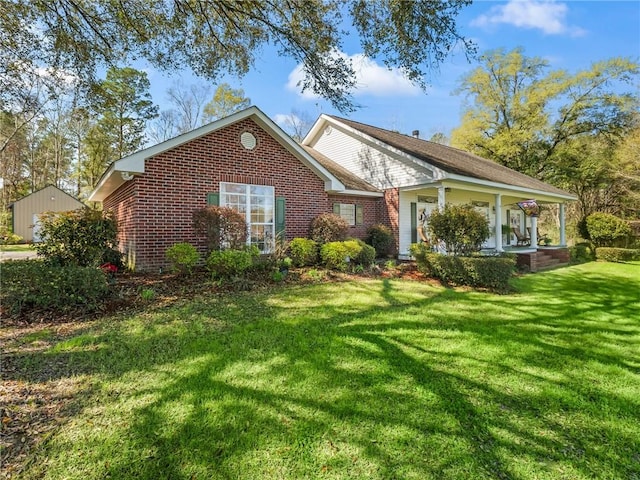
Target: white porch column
{"type": "Point", "coordinates": [563, 233]}
{"type": "Point", "coordinates": [498, 225]}
{"type": "Point", "coordinates": [441, 198]}
{"type": "Point", "coordinates": [534, 232]}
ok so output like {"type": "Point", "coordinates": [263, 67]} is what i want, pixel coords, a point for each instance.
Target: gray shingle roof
{"type": "Point", "coordinates": [348, 179]}
{"type": "Point", "coordinates": [453, 160]}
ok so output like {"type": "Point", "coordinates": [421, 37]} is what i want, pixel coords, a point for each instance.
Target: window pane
{"type": "Point", "coordinates": [234, 188]}
{"type": "Point", "coordinates": [348, 212]}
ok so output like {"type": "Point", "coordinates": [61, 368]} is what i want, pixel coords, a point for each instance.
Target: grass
{"type": "Point", "coordinates": [23, 247]}
{"type": "Point", "coordinates": [373, 379]}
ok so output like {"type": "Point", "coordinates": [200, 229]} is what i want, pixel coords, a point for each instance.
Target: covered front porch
{"type": "Point", "coordinates": [512, 229]}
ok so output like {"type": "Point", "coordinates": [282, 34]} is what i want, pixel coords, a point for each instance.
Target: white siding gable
{"type": "Point", "coordinates": [369, 159]}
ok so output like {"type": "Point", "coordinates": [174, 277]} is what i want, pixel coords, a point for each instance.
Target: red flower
{"type": "Point", "coordinates": [108, 268]}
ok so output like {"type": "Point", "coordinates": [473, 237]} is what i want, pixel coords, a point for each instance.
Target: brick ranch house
{"type": "Point", "coordinates": [365, 174]}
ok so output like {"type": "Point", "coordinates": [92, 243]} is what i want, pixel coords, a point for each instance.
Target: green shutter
{"type": "Point", "coordinates": [336, 208]}
{"type": "Point", "coordinates": [414, 222]}
{"type": "Point", "coordinates": [280, 215]}
{"type": "Point", "coordinates": [359, 215]}
{"type": "Point", "coordinates": [213, 198]}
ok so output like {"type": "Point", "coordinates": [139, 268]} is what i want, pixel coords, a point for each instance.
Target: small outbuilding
{"type": "Point", "coordinates": [26, 211]}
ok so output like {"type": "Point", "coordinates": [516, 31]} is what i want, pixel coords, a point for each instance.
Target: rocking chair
{"type": "Point", "coordinates": [523, 240]}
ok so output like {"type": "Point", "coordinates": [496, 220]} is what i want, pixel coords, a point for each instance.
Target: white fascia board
{"type": "Point", "coordinates": [315, 130]}
{"type": "Point", "coordinates": [135, 163]}
{"type": "Point", "coordinates": [492, 186]}
{"type": "Point", "coordinates": [358, 193]}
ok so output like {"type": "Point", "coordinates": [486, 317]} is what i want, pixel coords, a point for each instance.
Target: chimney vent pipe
{"type": "Point", "coordinates": [416, 134]}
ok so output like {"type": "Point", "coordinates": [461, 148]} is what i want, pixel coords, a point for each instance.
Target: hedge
{"type": "Point", "coordinates": [611, 254]}
{"type": "Point", "coordinates": [34, 284]}
{"type": "Point", "coordinates": [493, 273]}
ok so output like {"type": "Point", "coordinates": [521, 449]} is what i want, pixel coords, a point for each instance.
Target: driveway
{"type": "Point", "coordinates": [17, 255]}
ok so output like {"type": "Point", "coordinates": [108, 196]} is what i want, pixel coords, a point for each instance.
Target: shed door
{"type": "Point", "coordinates": [36, 228]}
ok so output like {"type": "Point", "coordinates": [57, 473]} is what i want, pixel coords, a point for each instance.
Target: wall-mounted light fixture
{"type": "Point", "coordinates": [126, 176]}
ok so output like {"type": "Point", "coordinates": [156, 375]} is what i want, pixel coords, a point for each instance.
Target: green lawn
{"type": "Point", "coordinates": [22, 247]}
{"type": "Point", "coordinates": [374, 379]}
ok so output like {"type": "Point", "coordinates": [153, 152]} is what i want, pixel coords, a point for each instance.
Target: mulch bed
{"type": "Point", "coordinates": [35, 401]}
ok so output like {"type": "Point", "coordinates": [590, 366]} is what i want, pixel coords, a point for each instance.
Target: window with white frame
{"type": "Point", "coordinates": [256, 203]}
{"type": "Point", "coordinates": [352, 213]}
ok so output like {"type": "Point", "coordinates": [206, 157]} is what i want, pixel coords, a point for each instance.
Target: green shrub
{"type": "Point", "coordinates": [461, 227]}
{"type": "Point", "coordinates": [581, 253]}
{"type": "Point", "coordinates": [612, 254]}
{"type": "Point", "coordinates": [328, 227]}
{"type": "Point", "coordinates": [367, 254]}
{"type": "Point", "coordinates": [606, 229]}
{"type": "Point", "coordinates": [79, 237]}
{"type": "Point", "coordinates": [226, 264]}
{"type": "Point", "coordinates": [10, 239]}
{"type": "Point", "coordinates": [339, 255]}
{"type": "Point", "coordinates": [183, 256]}
{"type": "Point", "coordinates": [484, 272]}
{"type": "Point", "coordinates": [380, 237]}
{"type": "Point", "coordinates": [221, 228]}
{"type": "Point", "coordinates": [303, 252]}
{"type": "Point", "coordinates": [34, 284]}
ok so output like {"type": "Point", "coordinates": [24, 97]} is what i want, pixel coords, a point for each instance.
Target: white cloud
{"type": "Point", "coordinates": [546, 15]}
{"type": "Point", "coordinates": [371, 79]}
{"type": "Point", "coordinates": [286, 120]}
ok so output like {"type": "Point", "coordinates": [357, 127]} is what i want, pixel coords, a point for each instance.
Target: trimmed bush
{"type": "Point", "coordinates": [461, 227]}
{"type": "Point", "coordinates": [34, 284]}
{"type": "Point", "coordinates": [612, 254]}
{"type": "Point", "coordinates": [80, 237]}
{"type": "Point", "coordinates": [339, 255]}
{"type": "Point", "coordinates": [183, 256]}
{"type": "Point", "coordinates": [303, 252]}
{"type": "Point", "coordinates": [606, 229]}
{"type": "Point", "coordinates": [493, 273]}
{"type": "Point", "coordinates": [221, 228]}
{"type": "Point", "coordinates": [226, 264]}
{"type": "Point", "coordinates": [581, 253]}
{"type": "Point", "coordinates": [380, 237]}
{"type": "Point", "coordinates": [367, 254]}
{"type": "Point", "coordinates": [328, 227]}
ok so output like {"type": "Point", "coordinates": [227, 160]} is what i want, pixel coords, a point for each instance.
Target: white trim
{"type": "Point", "coordinates": [135, 163]}
{"type": "Point", "coordinates": [358, 193]}
{"type": "Point", "coordinates": [504, 186]}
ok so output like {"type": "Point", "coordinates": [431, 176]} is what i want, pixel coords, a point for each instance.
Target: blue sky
{"type": "Point", "coordinates": [571, 35]}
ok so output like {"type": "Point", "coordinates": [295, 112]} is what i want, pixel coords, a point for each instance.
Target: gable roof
{"type": "Point", "coordinates": [125, 168]}
{"type": "Point", "coordinates": [41, 190]}
{"type": "Point", "coordinates": [452, 160]}
{"type": "Point", "coordinates": [350, 181]}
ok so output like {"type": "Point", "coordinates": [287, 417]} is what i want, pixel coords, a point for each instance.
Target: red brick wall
{"type": "Point", "coordinates": [370, 210]}
{"type": "Point", "coordinates": [389, 215]}
{"type": "Point", "coordinates": [122, 203]}
{"type": "Point", "coordinates": [176, 182]}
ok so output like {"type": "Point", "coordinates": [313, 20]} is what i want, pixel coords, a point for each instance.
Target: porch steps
{"type": "Point", "coordinates": [546, 261]}
{"type": "Point", "coordinates": [543, 259]}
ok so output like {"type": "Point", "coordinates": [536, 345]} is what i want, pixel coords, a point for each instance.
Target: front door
{"type": "Point", "coordinates": [424, 210]}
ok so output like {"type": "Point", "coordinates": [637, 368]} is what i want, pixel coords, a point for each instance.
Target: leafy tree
{"type": "Point", "coordinates": [520, 113]}
{"type": "Point", "coordinates": [124, 104]}
{"type": "Point", "coordinates": [225, 101]}
{"type": "Point", "coordinates": [225, 36]}
{"type": "Point", "coordinates": [606, 229]}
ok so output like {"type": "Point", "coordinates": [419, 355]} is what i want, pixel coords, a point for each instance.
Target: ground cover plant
{"type": "Point", "coordinates": [378, 378]}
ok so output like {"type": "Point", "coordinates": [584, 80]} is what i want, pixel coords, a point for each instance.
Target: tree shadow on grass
{"type": "Point", "coordinates": [391, 390]}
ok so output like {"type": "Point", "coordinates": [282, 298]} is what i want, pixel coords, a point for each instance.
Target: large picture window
{"type": "Point", "coordinates": [256, 203]}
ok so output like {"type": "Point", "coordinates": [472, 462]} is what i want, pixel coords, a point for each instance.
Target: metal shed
{"type": "Point", "coordinates": [27, 210]}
